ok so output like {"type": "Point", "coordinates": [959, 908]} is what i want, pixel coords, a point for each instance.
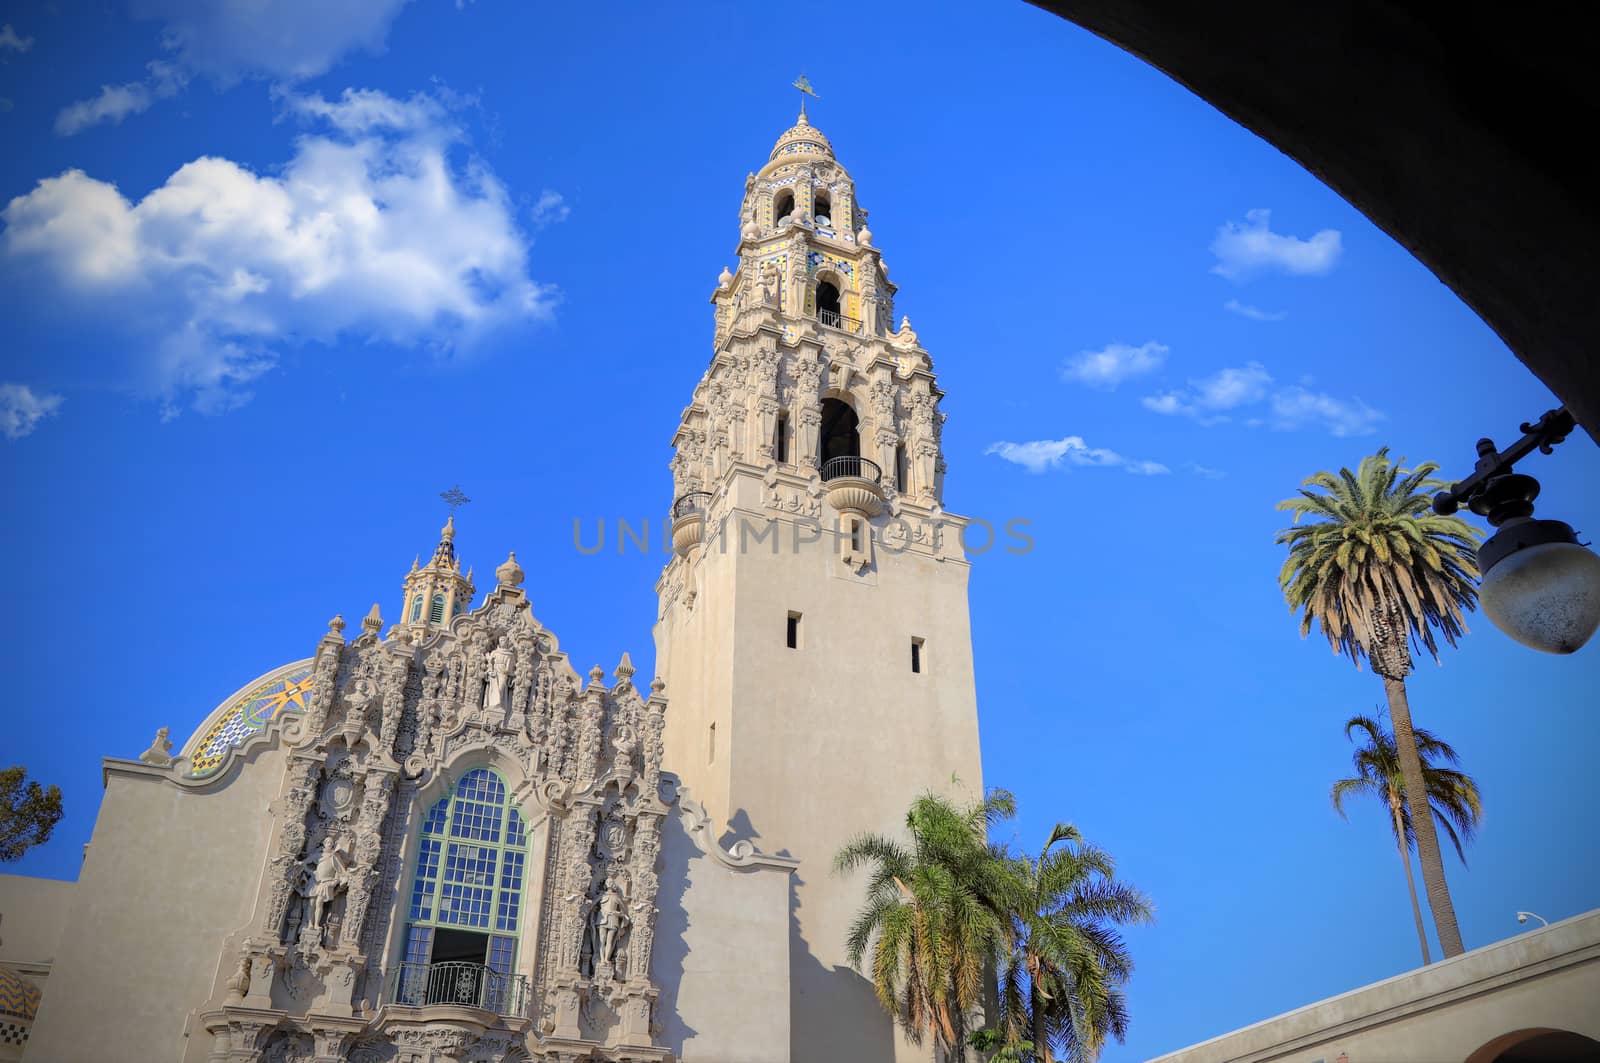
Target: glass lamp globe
{"type": "Point", "coordinates": [1540, 586]}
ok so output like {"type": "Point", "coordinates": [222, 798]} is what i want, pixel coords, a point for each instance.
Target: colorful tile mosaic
{"type": "Point", "coordinates": [19, 998]}
{"type": "Point", "coordinates": [285, 692]}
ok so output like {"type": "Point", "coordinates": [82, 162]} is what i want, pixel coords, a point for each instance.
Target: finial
{"type": "Point", "coordinates": [448, 532]}
{"type": "Point", "coordinates": [336, 625]}
{"type": "Point", "coordinates": [160, 751]}
{"type": "Point", "coordinates": [864, 237]}
{"type": "Point", "coordinates": [416, 562]}
{"type": "Point", "coordinates": [905, 336]}
{"type": "Point", "coordinates": [724, 279]}
{"type": "Point", "coordinates": [372, 623]}
{"type": "Point", "coordinates": [509, 573]}
{"type": "Point", "coordinates": [657, 685]}
{"type": "Point", "coordinates": [625, 667]}
{"type": "Point", "coordinates": [596, 674]}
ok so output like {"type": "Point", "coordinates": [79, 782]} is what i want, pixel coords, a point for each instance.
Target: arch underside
{"type": "Point", "coordinates": [1456, 135]}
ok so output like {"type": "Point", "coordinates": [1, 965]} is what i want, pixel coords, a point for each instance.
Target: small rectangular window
{"type": "Point", "coordinates": [794, 631]}
{"type": "Point", "coordinates": [711, 744]}
{"type": "Point", "coordinates": [780, 445]}
{"type": "Point", "coordinates": [916, 655]}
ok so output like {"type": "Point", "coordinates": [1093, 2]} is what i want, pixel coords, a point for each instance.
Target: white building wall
{"type": "Point", "coordinates": [169, 872]}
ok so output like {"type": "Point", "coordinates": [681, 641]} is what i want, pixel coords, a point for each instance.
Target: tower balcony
{"type": "Point", "coordinates": [836, 320]}
{"type": "Point", "coordinates": [461, 985]}
{"type": "Point", "coordinates": [855, 485]}
{"type": "Point", "coordinates": [689, 521]}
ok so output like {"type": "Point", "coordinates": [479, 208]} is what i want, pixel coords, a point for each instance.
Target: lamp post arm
{"type": "Point", "coordinates": [1542, 435]}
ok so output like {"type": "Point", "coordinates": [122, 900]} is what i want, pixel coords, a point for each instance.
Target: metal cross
{"type": "Point", "coordinates": [453, 498]}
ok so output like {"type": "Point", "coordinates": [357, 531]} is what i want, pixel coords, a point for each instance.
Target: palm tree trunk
{"type": "Point", "coordinates": [1411, 882]}
{"type": "Point", "coordinates": [1041, 1045]}
{"type": "Point", "coordinates": [1444, 913]}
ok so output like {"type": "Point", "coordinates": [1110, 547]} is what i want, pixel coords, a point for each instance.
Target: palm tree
{"type": "Point", "coordinates": [1065, 972]}
{"type": "Point", "coordinates": [1453, 795]}
{"type": "Point", "coordinates": [931, 921]}
{"type": "Point", "coordinates": [1378, 572]}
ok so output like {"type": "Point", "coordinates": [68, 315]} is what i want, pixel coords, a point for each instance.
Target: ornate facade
{"type": "Point", "coordinates": [443, 842]}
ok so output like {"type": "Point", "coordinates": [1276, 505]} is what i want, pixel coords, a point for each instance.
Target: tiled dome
{"type": "Point", "coordinates": [247, 713]}
{"type": "Point", "coordinates": [19, 1003]}
{"type": "Point", "coordinates": [803, 139]}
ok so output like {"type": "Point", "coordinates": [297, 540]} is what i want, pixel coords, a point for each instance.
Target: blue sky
{"type": "Point", "coordinates": [268, 287]}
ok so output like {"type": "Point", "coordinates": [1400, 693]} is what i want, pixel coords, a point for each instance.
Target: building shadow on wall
{"type": "Point", "coordinates": [834, 1012]}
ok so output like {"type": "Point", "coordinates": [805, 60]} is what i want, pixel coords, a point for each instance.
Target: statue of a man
{"type": "Point", "coordinates": [330, 879]}
{"type": "Point", "coordinates": [613, 916]}
{"type": "Point", "coordinates": [497, 677]}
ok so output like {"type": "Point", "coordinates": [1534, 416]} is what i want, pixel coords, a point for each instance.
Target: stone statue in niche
{"type": "Point", "coordinates": [624, 743]}
{"type": "Point", "coordinates": [329, 879]}
{"type": "Point", "coordinates": [497, 678]}
{"type": "Point", "coordinates": [611, 916]}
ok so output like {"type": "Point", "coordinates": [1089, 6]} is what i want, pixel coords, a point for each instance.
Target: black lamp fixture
{"type": "Point", "coordinates": [1537, 583]}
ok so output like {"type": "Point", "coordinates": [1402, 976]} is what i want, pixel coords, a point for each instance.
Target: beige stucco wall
{"type": "Point", "coordinates": [720, 953]}
{"type": "Point", "coordinates": [34, 911]}
{"type": "Point", "coordinates": [824, 741]}
{"type": "Point", "coordinates": [1545, 979]}
{"type": "Point", "coordinates": [169, 872]}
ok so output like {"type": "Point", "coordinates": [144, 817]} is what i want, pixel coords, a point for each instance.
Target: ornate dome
{"type": "Point", "coordinates": [246, 714]}
{"type": "Point", "coordinates": [802, 139]}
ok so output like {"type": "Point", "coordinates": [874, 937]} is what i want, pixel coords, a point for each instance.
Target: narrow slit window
{"type": "Point", "coordinates": [794, 631]}
{"type": "Point", "coordinates": [902, 474]}
{"type": "Point", "coordinates": [780, 444]}
{"type": "Point", "coordinates": [916, 655]}
{"type": "Point", "coordinates": [711, 744]}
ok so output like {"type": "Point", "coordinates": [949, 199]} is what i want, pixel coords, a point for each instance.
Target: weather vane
{"type": "Point", "coordinates": [805, 90]}
{"type": "Point", "coordinates": [453, 498]}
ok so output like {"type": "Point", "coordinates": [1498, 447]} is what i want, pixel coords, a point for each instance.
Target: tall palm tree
{"type": "Point", "coordinates": [1378, 572]}
{"type": "Point", "coordinates": [1452, 794]}
{"type": "Point", "coordinates": [1064, 975]}
{"type": "Point", "coordinates": [931, 921]}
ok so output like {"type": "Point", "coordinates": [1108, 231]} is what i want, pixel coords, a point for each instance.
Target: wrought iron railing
{"type": "Point", "coordinates": [692, 502]}
{"type": "Point", "coordinates": [468, 985]}
{"type": "Point", "coordinates": [834, 319]}
{"type": "Point", "coordinates": [850, 465]}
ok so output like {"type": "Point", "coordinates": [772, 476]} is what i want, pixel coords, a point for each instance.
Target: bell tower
{"type": "Point", "coordinates": [813, 627]}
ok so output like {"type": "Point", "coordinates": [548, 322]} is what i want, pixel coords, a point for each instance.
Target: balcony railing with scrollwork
{"type": "Point", "coordinates": [834, 319]}
{"type": "Point", "coordinates": [850, 465]}
{"type": "Point", "coordinates": [465, 985]}
{"type": "Point", "coordinates": [691, 502]}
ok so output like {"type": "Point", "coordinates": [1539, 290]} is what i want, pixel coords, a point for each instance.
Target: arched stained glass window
{"type": "Point", "coordinates": [466, 900]}
{"type": "Point", "coordinates": [416, 608]}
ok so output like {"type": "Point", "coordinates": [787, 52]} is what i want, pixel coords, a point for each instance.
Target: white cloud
{"type": "Point", "coordinates": [1254, 313]}
{"type": "Point", "coordinates": [21, 410]}
{"type": "Point", "coordinates": [117, 102]}
{"type": "Point", "coordinates": [1042, 454]}
{"type": "Point", "coordinates": [370, 230]}
{"type": "Point", "coordinates": [285, 39]}
{"type": "Point", "coordinates": [11, 42]}
{"type": "Point", "coordinates": [1290, 407]}
{"type": "Point", "coordinates": [1203, 471]}
{"type": "Point", "coordinates": [1114, 363]}
{"type": "Point", "coordinates": [1207, 397]}
{"type": "Point", "coordinates": [228, 40]}
{"type": "Point", "coordinates": [1246, 248]}
{"type": "Point", "coordinates": [358, 111]}
{"type": "Point", "coordinates": [1298, 407]}
{"type": "Point", "coordinates": [552, 209]}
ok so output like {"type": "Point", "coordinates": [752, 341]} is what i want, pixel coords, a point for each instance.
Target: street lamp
{"type": "Point", "coordinates": [1523, 917]}
{"type": "Point", "coordinates": [1537, 583]}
